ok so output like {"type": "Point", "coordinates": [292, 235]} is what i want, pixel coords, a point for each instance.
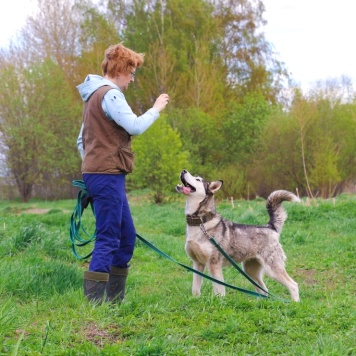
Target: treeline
{"type": "Point", "coordinates": [229, 116]}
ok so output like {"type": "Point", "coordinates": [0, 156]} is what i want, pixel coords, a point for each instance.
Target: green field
{"type": "Point", "coordinates": [43, 310]}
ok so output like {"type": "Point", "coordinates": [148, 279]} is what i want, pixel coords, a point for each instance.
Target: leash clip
{"type": "Point", "coordinates": [202, 228]}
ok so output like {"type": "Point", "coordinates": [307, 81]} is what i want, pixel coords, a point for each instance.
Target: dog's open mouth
{"type": "Point", "coordinates": [186, 188]}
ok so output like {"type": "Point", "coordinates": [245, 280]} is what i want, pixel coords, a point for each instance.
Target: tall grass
{"type": "Point", "coordinates": [43, 310]}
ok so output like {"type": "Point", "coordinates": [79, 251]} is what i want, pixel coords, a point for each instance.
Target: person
{"type": "Point", "coordinates": [104, 143]}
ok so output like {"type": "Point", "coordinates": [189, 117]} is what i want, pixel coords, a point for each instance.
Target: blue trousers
{"type": "Point", "coordinates": [116, 234]}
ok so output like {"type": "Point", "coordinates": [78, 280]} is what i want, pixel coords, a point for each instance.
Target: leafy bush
{"type": "Point", "coordinates": [159, 159]}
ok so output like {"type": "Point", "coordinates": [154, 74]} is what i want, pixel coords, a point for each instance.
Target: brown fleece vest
{"type": "Point", "coordinates": [107, 146]}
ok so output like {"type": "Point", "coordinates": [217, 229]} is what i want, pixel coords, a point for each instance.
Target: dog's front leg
{"type": "Point", "coordinates": [197, 279]}
{"type": "Point", "coordinates": [215, 270]}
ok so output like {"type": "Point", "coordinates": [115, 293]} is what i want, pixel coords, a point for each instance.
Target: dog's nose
{"type": "Point", "coordinates": [184, 171]}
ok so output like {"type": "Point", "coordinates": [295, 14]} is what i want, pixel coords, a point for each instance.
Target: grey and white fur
{"type": "Point", "coordinates": [257, 247]}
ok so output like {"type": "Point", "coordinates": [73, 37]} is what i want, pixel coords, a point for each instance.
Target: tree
{"type": "Point", "coordinates": [37, 125]}
{"type": "Point", "coordinates": [199, 135]}
{"type": "Point", "coordinates": [53, 32]}
{"type": "Point", "coordinates": [343, 131]}
{"type": "Point", "coordinates": [223, 78]}
{"type": "Point", "coordinates": [250, 61]}
{"type": "Point", "coordinates": [203, 52]}
{"type": "Point", "coordinates": [97, 32]}
{"type": "Point", "coordinates": [176, 36]}
{"type": "Point", "coordinates": [241, 126]}
{"type": "Point", "coordinates": [277, 163]}
{"type": "Point", "coordinates": [337, 121]}
{"type": "Point", "coordinates": [304, 112]}
{"type": "Point", "coordinates": [311, 146]}
{"type": "Point", "coordinates": [324, 175]}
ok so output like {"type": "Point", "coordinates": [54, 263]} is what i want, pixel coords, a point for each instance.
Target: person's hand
{"type": "Point", "coordinates": [161, 102]}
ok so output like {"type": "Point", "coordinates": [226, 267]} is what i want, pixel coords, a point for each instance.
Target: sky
{"type": "Point", "coordinates": [314, 38]}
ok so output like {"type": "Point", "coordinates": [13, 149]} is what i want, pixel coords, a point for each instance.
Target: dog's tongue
{"type": "Point", "coordinates": [186, 190]}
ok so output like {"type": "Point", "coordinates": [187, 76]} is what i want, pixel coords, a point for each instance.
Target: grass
{"type": "Point", "coordinates": [43, 310]}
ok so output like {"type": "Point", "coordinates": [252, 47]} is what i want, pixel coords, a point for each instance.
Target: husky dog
{"type": "Point", "coordinates": [256, 247]}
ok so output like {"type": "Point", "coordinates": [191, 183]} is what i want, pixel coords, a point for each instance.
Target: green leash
{"type": "Point", "coordinates": [246, 291]}
{"type": "Point", "coordinates": [235, 265]}
{"type": "Point", "coordinates": [83, 200]}
{"type": "Point", "coordinates": [77, 234]}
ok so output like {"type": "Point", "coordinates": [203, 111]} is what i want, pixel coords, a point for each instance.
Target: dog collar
{"type": "Point", "coordinates": [198, 220]}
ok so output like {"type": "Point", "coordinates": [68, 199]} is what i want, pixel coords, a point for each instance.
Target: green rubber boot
{"type": "Point", "coordinates": [115, 289]}
{"type": "Point", "coordinates": [94, 285]}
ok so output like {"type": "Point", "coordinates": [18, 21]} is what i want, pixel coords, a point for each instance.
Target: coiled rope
{"type": "Point", "coordinates": [79, 237]}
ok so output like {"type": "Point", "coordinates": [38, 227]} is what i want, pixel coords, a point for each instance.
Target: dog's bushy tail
{"type": "Point", "coordinates": [275, 210]}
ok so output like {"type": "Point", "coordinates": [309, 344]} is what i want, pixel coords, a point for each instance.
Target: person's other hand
{"type": "Point", "coordinates": [161, 102]}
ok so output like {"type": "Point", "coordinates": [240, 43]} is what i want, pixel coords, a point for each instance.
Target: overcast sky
{"type": "Point", "coordinates": [314, 38]}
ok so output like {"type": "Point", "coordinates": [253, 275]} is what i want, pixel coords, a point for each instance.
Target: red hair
{"type": "Point", "coordinates": [119, 59]}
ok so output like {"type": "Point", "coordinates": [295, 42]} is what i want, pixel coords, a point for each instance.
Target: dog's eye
{"type": "Point", "coordinates": [198, 179]}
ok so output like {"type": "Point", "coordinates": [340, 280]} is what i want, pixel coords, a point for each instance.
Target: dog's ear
{"type": "Point", "coordinates": [215, 186]}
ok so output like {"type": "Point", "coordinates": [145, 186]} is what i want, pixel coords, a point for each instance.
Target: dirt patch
{"type": "Point", "coordinates": [100, 336]}
{"type": "Point", "coordinates": [36, 211]}
{"type": "Point", "coordinates": [308, 276]}
{"type": "Point", "coordinates": [42, 211]}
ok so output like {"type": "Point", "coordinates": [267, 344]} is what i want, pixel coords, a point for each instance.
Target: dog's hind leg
{"type": "Point", "coordinates": [280, 275]}
{"type": "Point", "coordinates": [197, 279]}
{"type": "Point", "coordinates": [255, 270]}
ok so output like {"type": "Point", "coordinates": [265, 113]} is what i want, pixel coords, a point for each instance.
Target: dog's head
{"type": "Point", "coordinates": [196, 186]}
